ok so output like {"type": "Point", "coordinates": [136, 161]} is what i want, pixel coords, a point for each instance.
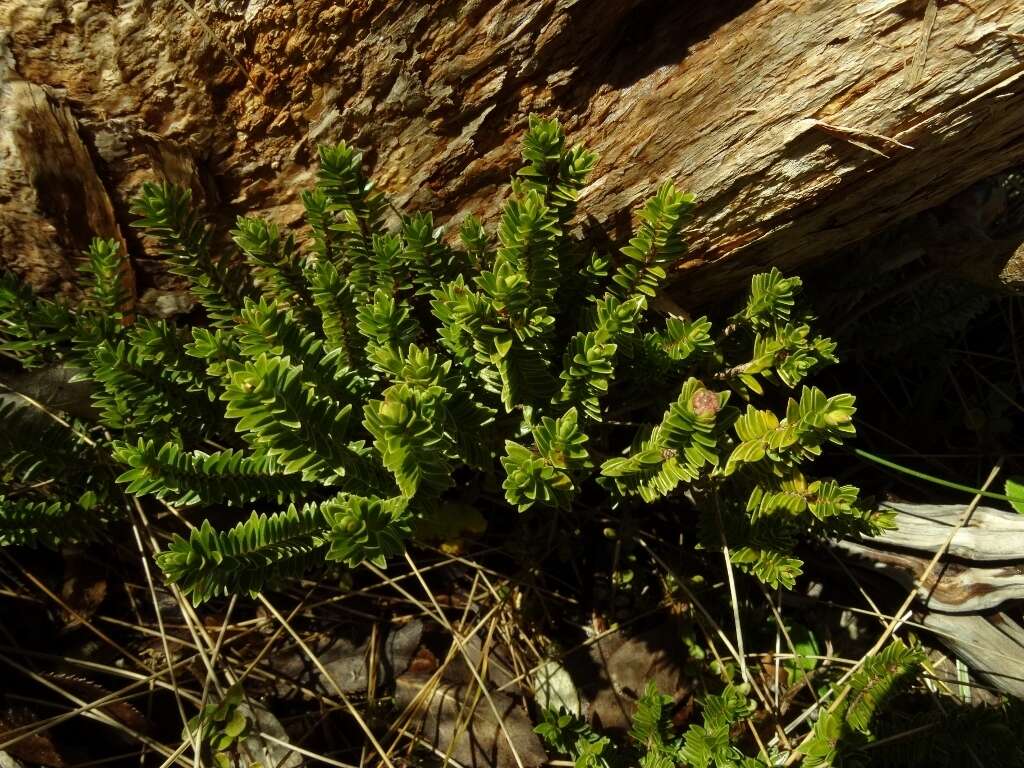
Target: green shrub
{"type": "Point", "coordinates": [839, 737]}
{"type": "Point", "coordinates": [380, 377]}
{"type": "Point", "coordinates": [653, 741]}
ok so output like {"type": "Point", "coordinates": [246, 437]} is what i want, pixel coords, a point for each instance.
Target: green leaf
{"type": "Point", "coordinates": [518, 359]}
{"type": "Point", "coordinates": [408, 430]}
{"type": "Point", "coordinates": [236, 726]}
{"type": "Point", "coordinates": [365, 529]}
{"type": "Point", "coordinates": [260, 551]}
{"type": "Point", "coordinates": [1014, 488]}
{"type": "Point", "coordinates": [806, 646]}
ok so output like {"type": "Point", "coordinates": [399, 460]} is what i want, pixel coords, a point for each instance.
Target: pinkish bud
{"type": "Point", "coordinates": [704, 402]}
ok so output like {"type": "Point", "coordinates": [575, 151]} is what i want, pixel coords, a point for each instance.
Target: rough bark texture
{"type": "Point", "coordinates": [801, 125]}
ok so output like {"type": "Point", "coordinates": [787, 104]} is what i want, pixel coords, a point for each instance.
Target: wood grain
{"type": "Point", "coordinates": [992, 646]}
{"type": "Point", "coordinates": [952, 588]}
{"type": "Point", "coordinates": [989, 535]}
{"type": "Point", "coordinates": [795, 122]}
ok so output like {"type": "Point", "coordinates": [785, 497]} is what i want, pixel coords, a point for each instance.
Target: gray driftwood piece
{"type": "Point", "coordinates": [992, 645]}
{"type": "Point", "coordinates": [982, 569]}
{"type": "Point", "coordinates": [990, 534]}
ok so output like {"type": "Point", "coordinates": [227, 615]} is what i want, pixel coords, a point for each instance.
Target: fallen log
{"type": "Point", "coordinates": [988, 535]}
{"type": "Point", "coordinates": [992, 646]}
{"type": "Point", "coordinates": [800, 125]}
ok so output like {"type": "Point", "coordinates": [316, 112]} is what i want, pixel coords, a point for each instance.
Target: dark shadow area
{"type": "Point", "coordinates": [927, 315]}
{"type": "Point", "coordinates": [963, 734]}
{"type": "Point", "coordinates": [612, 673]}
{"type": "Point", "coordinates": [653, 34]}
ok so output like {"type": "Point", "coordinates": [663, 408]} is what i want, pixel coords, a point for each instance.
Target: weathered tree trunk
{"type": "Point", "coordinates": [801, 125]}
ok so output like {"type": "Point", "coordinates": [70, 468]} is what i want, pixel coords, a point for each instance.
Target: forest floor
{"type": "Point", "coordinates": [451, 653]}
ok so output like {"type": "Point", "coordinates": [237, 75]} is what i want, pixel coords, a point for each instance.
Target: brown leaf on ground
{"type": "Point", "coordinates": [255, 750]}
{"type": "Point", "coordinates": [84, 588]}
{"type": "Point", "coordinates": [122, 711]}
{"type": "Point", "coordinates": [458, 721]}
{"type": "Point", "coordinates": [37, 749]}
{"type": "Point", "coordinates": [613, 672]}
{"type": "Point", "coordinates": [347, 662]}
{"type": "Point", "coordinates": [349, 666]}
{"type": "Point", "coordinates": [494, 659]}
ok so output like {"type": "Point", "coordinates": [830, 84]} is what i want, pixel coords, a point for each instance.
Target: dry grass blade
{"type": "Point", "coordinates": [455, 720]}
{"type": "Point", "coordinates": [706, 615]}
{"type": "Point", "coordinates": [188, 614]}
{"type": "Point", "coordinates": [42, 408]}
{"type": "Point", "coordinates": [154, 679]}
{"type": "Point", "coordinates": [160, 623]}
{"type": "Point", "coordinates": [323, 671]}
{"type": "Point", "coordinates": [914, 625]}
{"type": "Point", "coordinates": [98, 716]}
{"type": "Point", "coordinates": [472, 668]}
{"type": "Point", "coordinates": [71, 611]}
{"type": "Point", "coordinates": [173, 757]}
{"type": "Point", "coordinates": [450, 710]}
{"type": "Point", "coordinates": [307, 753]}
{"type": "Point", "coordinates": [417, 704]}
{"type": "Point", "coordinates": [596, 638]}
{"type": "Point", "coordinates": [732, 595]}
{"type": "Point", "coordinates": [251, 667]}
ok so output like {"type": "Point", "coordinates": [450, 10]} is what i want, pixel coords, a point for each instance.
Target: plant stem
{"type": "Point", "coordinates": [931, 478]}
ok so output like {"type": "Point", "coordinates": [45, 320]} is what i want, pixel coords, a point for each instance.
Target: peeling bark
{"type": "Point", "coordinates": [51, 199]}
{"type": "Point", "coordinates": [801, 125]}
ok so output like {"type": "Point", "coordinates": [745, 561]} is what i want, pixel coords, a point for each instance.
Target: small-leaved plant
{"type": "Point", "coordinates": [839, 736]}
{"type": "Point", "coordinates": [220, 729]}
{"type": "Point", "coordinates": [371, 379]}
